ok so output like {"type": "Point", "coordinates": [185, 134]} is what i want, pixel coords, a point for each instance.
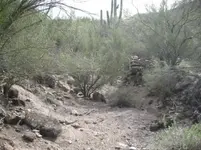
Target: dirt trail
{"type": "Point", "coordinates": [86, 125]}
{"type": "Point", "coordinates": [109, 128]}
{"type": "Point", "coordinates": [97, 127]}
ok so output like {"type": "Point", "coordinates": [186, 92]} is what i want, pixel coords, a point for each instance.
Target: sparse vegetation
{"type": "Point", "coordinates": [161, 80]}
{"type": "Point", "coordinates": [178, 138]}
{"type": "Point", "coordinates": [124, 97]}
{"type": "Point", "coordinates": [95, 52]}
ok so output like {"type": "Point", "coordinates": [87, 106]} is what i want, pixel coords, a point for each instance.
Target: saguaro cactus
{"type": "Point", "coordinates": [113, 18]}
{"type": "Point", "coordinates": [101, 17]}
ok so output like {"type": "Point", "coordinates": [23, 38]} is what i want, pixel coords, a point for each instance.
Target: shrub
{"type": "Point", "coordinates": [99, 61]}
{"type": "Point", "coordinates": [161, 80]}
{"type": "Point", "coordinates": [123, 97]}
{"type": "Point", "coordinates": [163, 38]}
{"type": "Point", "coordinates": [178, 138]}
{"type": "Point", "coordinates": [88, 73]}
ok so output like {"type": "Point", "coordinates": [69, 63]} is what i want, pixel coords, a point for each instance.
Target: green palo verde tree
{"type": "Point", "coordinates": [19, 47]}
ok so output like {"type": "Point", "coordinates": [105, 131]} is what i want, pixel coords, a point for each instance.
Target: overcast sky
{"type": "Point", "coordinates": [94, 6]}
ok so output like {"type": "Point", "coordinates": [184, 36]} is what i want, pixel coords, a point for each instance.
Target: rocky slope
{"type": "Point", "coordinates": [44, 118]}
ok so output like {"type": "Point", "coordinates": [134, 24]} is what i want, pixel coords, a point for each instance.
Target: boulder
{"type": "Point", "coordinates": [49, 128]}
{"type": "Point", "coordinates": [21, 97]}
{"type": "Point", "coordinates": [13, 93]}
{"type": "Point", "coordinates": [50, 131]}
{"type": "Point", "coordinates": [29, 136]}
{"type": "Point", "coordinates": [34, 120]}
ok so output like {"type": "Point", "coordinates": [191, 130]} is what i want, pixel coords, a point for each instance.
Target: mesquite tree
{"type": "Point", "coordinates": [170, 33]}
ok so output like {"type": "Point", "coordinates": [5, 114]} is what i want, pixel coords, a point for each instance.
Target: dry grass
{"type": "Point", "coordinates": [161, 81]}
{"type": "Point", "coordinates": [178, 138]}
{"type": "Point", "coordinates": [125, 97]}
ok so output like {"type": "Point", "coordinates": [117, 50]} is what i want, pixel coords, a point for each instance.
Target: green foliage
{"type": "Point", "coordinates": [32, 43]}
{"type": "Point", "coordinates": [161, 80]}
{"type": "Point", "coordinates": [97, 60]}
{"type": "Point", "coordinates": [21, 34]}
{"type": "Point", "coordinates": [178, 138]}
{"type": "Point", "coordinates": [38, 44]}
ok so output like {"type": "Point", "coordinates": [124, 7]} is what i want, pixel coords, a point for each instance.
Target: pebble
{"type": "Point", "coordinates": [121, 146]}
{"type": "Point", "coordinates": [132, 148]}
{"type": "Point", "coordinates": [76, 126]}
{"type": "Point", "coordinates": [70, 142]}
{"type": "Point", "coordinates": [74, 112]}
{"type": "Point", "coordinates": [38, 135]}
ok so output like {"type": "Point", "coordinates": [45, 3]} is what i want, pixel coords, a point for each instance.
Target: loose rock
{"type": "Point", "coordinates": [50, 132]}
{"type": "Point", "coordinates": [74, 112]}
{"type": "Point", "coordinates": [63, 86]}
{"type": "Point", "coordinates": [29, 136]}
{"type": "Point", "coordinates": [132, 148]}
{"type": "Point", "coordinates": [120, 146]}
{"type": "Point", "coordinates": [76, 126]}
{"type": "Point", "coordinates": [14, 116]}
{"type": "Point", "coordinates": [156, 125]}
{"type": "Point", "coordinates": [38, 135]}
